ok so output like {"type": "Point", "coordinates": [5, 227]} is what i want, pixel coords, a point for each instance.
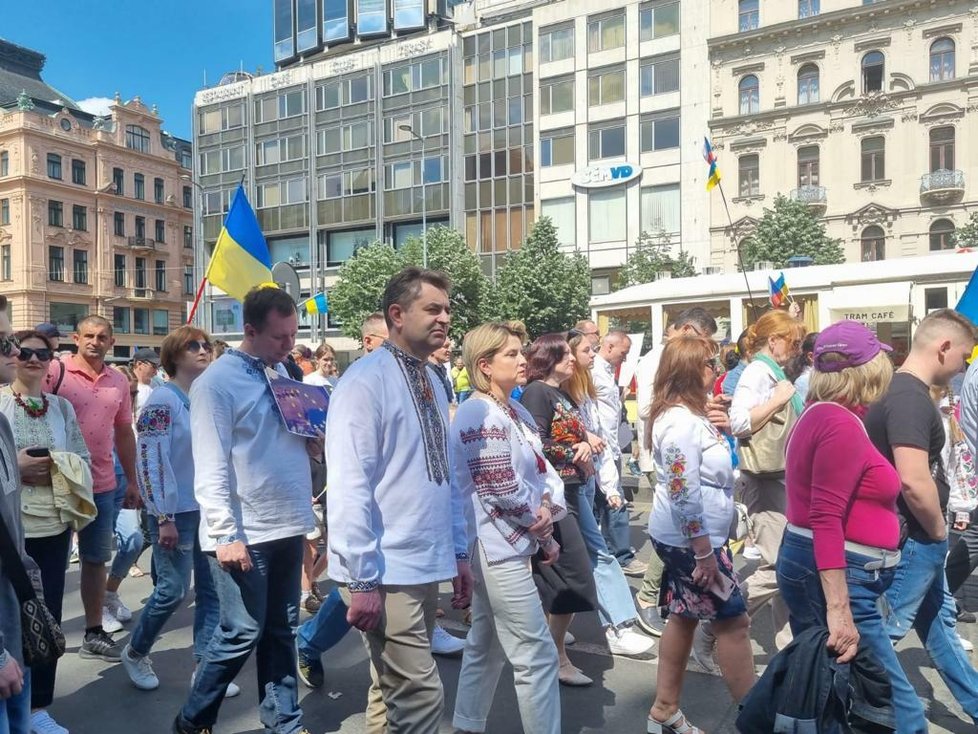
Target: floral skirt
{"type": "Point", "coordinates": [680, 594]}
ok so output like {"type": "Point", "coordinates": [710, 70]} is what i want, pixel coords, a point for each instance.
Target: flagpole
{"type": "Point", "coordinates": [740, 259]}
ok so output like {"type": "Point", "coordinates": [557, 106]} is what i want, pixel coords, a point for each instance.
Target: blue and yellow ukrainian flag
{"type": "Point", "coordinates": [317, 304]}
{"type": "Point", "coordinates": [710, 156]}
{"type": "Point", "coordinates": [241, 260]}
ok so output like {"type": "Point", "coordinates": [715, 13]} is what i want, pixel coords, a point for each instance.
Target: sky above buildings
{"type": "Point", "coordinates": [160, 50]}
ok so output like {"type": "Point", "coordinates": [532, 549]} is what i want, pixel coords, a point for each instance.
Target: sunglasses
{"type": "Point", "coordinates": [43, 354]}
{"type": "Point", "coordinates": [7, 345]}
{"type": "Point", "coordinates": [713, 363]}
{"type": "Point", "coordinates": [194, 346]}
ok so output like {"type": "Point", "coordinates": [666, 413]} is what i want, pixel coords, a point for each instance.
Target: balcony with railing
{"type": "Point", "coordinates": [816, 197]}
{"type": "Point", "coordinates": [142, 243]}
{"type": "Point", "coordinates": [942, 185]}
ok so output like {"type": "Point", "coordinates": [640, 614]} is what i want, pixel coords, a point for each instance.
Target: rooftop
{"type": "Point", "coordinates": [20, 71]}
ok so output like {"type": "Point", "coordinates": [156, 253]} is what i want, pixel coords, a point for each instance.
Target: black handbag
{"type": "Point", "coordinates": [42, 638]}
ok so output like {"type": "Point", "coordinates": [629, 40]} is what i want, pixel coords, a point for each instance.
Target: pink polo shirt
{"type": "Point", "coordinates": [101, 404]}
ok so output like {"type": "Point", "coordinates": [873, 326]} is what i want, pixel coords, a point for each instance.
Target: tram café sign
{"type": "Point", "coordinates": [606, 174]}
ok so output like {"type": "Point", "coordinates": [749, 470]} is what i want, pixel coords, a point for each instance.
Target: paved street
{"type": "Point", "coordinates": [95, 697]}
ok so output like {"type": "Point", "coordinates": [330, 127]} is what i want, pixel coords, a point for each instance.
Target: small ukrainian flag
{"type": "Point", "coordinates": [317, 304]}
{"type": "Point", "coordinates": [241, 259]}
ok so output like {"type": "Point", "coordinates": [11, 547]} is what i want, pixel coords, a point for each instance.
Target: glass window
{"type": "Point", "coordinates": [556, 45]}
{"type": "Point", "coordinates": [79, 218]}
{"type": "Point", "coordinates": [563, 214]}
{"type": "Point", "coordinates": [749, 170]}
{"type": "Point", "coordinates": [161, 275]}
{"type": "Point", "coordinates": [401, 175]}
{"type": "Point", "coordinates": [139, 186]}
{"type": "Point", "coordinates": [140, 321]}
{"type": "Point", "coordinates": [873, 244]}
{"type": "Point", "coordinates": [942, 60]}
{"type": "Point", "coordinates": [340, 246]}
{"type": "Point", "coordinates": [188, 280]}
{"type": "Point", "coordinates": [659, 77]}
{"type": "Point", "coordinates": [78, 172]}
{"type": "Point", "coordinates": [4, 163]}
{"type": "Point", "coordinates": [328, 96]}
{"type": "Point", "coordinates": [329, 140]}
{"type": "Point", "coordinates": [408, 14]}
{"type": "Point", "coordinates": [330, 186]}
{"type": "Point", "coordinates": [606, 87]}
{"type": "Point", "coordinates": [291, 104]}
{"type": "Point", "coordinates": [808, 8]}
{"type": "Point", "coordinates": [942, 149]}
{"type": "Point", "coordinates": [336, 20]}
{"type": "Point", "coordinates": [808, 84]}
{"type": "Point", "coordinates": [118, 179]}
{"type": "Point", "coordinates": [6, 263]}
{"type": "Point", "coordinates": [79, 262]}
{"type": "Point", "coordinates": [661, 209]}
{"type": "Point", "coordinates": [556, 148]}
{"type": "Point", "coordinates": [371, 17]}
{"type": "Point", "coordinates": [141, 272]}
{"type": "Point", "coordinates": [935, 298]}
{"type": "Point", "coordinates": [605, 34]}
{"type": "Point", "coordinates": [4, 211]}
{"type": "Point", "coordinates": [56, 263]}
{"type": "Point", "coordinates": [306, 25]}
{"type": "Point", "coordinates": [750, 95]}
{"type": "Point", "coordinates": [120, 319]}
{"type": "Point", "coordinates": [137, 138]}
{"type": "Point", "coordinates": [119, 224]}
{"type": "Point", "coordinates": [748, 15]}
{"type": "Point", "coordinates": [140, 227]}
{"type": "Point", "coordinates": [606, 215]}
{"type": "Point", "coordinates": [158, 190]}
{"type": "Point", "coordinates": [56, 214]}
{"type": "Point", "coordinates": [873, 68]}
{"type": "Point", "coordinates": [188, 198]}
{"type": "Point", "coordinates": [557, 97]}
{"type": "Point", "coordinates": [660, 132]}
{"type": "Point", "coordinates": [358, 89]}
{"type": "Point", "coordinates": [67, 315]}
{"type": "Point", "coordinates": [808, 164]}
{"type": "Point", "coordinates": [606, 142]}
{"type": "Point", "coordinates": [54, 166]}
{"type": "Point", "coordinates": [160, 231]}
{"type": "Point", "coordinates": [942, 235]}
{"type": "Point", "coordinates": [282, 17]}
{"type": "Point", "coordinates": [873, 152]}
{"type": "Point", "coordinates": [658, 21]}
{"type": "Point", "coordinates": [119, 271]}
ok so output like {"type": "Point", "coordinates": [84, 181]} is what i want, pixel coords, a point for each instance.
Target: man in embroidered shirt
{"type": "Point", "coordinates": [101, 399]}
{"type": "Point", "coordinates": [251, 479]}
{"type": "Point", "coordinates": [397, 528]}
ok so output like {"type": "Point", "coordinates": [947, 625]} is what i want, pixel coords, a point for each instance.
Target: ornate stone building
{"type": "Point", "coordinates": [96, 213]}
{"type": "Point", "coordinates": [857, 108]}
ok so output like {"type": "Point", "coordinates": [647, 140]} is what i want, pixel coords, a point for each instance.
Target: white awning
{"type": "Point", "coordinates": [870, 304]}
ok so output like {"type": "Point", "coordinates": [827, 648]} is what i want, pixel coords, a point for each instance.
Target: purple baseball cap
{"type": "Point", "coordinates": [850, 343]}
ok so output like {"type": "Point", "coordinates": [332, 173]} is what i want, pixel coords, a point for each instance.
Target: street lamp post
{"type": "Point", "coordinates": [424, 199]}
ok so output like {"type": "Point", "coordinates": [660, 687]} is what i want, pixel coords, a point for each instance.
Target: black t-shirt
{"type": "Point", "coordinates": [906, 416]}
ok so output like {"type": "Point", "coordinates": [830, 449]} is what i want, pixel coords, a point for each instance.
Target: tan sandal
{"type": "Point", "coordinates": [675, 724]}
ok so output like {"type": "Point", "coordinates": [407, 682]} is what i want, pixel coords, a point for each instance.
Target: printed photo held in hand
{"type": "Point", "coordinates": [303, 406]}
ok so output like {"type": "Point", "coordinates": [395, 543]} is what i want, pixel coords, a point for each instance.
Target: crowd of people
{"type": "Point", "coordinates": [497, 468]}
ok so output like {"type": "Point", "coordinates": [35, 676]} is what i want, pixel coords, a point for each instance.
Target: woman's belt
{"type": "Point", "coordinates": [883, 558]}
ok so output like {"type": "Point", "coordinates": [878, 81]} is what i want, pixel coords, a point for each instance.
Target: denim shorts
{"type": "Point", "coordinates": [680, 594]}
{"type": "Point", "coordinates": [95, 539]}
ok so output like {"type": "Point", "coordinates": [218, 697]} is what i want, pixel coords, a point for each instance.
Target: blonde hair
{"type": "Point", "coordinates": [580, 385]}
{"type": "Point", "coordinates": [483, 342]}
{"type": "Point", "coordinates": [852, 386]}
{"type": "Point", "coordinates": [770, 325]}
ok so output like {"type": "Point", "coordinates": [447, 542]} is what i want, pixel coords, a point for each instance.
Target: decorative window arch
{"type": "Point", "coordinates": [942, 60]}
{"type": "Point", "coordinates": [873, 68]}
{"type": "Point", "coordinates": [942, 235]}
{"type": "Point", "coordinates": [873, 244]}
{"type": "Point", "coordinates": [750, 95]}
{"type": "Point", "coordinates": [808, 84]}
{"type": "Point", "coordinates": [137, 138]}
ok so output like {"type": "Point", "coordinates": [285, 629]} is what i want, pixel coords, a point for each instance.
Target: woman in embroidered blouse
{"type": "Point", "coordinates": [617, 608]}
{"type": "Point", "coordinates": [515, 495]}
{"type": "Point", "coordinates": [691, 513]}
{"type": "Point", "coordinates": [47, 422]}
{"type": "Point", "coordinates": [165, 471]}
{"type": "Point", "coordinates": [567, 587]}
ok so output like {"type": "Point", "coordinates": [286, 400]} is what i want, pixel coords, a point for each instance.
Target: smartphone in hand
{"type": "Point", "coordinates": [38, 452]}
{"type": "Point", "coordinates": [722, 588]}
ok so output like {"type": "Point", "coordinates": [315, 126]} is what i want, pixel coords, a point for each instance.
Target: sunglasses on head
{"type": "Point", "coordinates": [7, 345]}
{"type": "Point", "coordinates": [194, 346]}
{"type": "Point", "coordinates": [43, 354]}
{"type": "Point", "coordinates": [574, 333]}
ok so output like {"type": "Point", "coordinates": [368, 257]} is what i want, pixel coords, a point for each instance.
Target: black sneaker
{"type": "Point", "coordinates": [650, 620]}
{"type": "Point", "coordinates": [311, 671]}
{"type": "Point", "coordinates": [100, 646]}
{"type": "Point", "coordinates": [966, 617]}
{"type": "Point", "coordinates": [182, 726]}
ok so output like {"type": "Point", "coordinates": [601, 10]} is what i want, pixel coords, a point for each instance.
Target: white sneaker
{"type": "Point", "coordinates": [703, 645]}
{"type": "Point", "coordinates": [233, 688]}
{"type": "Point", "coordinates": [109, 623]}
{"type": "Point", "coordinates": [42, 723]}
{"type": "Point", "coordinates": [118, 608]}
{"type": "Point", "coordinates": [443, 643]}
{"type": "Point", "coordinates": [627, 641]}
{"type": "Point", "coordinates": [966, 644]}
{"type": "Point", "coordinates": [751, 553]}
{"type": "Point", "coordinates": [140, 670]}
{"type": "Point", "coordinates": [569, 639]}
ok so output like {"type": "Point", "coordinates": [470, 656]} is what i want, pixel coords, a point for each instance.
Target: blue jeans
{"type": "Point", "coordinates": [919, 598]}
{"type": "Point", "coordinates": [173, 569]}
{"type": "Point", "coordinates": [95, 539]}
{"type": "Point", "coordinates": [15, 712]}
{"type": "Point", "coordinates": [326, 628]}
{"type": "Point", "coordinates": [616, 607]}
{"type": "Point", "coordinates": [259, 609]}
{"type": "Point", "coordinates": [614, 527]}
{"type": "Point", "coordinates": [128, 533]}
{"type": "Point", "coordinates": [801, 589]}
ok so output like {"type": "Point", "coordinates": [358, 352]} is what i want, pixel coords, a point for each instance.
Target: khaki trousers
{"type": "Point", "coordinates": [405, 693]}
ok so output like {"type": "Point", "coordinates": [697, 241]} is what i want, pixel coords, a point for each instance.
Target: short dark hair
{"type": "Point", "coordinates": [544, 354]}
{"type": "Point", "coordinates": [262, 301]}
{"type": "Point", "coordinates": [699, 317]}
{"type": "Point", "coordinates": [96, 320]}
{"type": "Point", "coordinates": [22, 336]}
{"type": "Point", "coordinates": [405, 288]}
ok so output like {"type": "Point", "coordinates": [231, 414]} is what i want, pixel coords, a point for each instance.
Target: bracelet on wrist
{"type": "Point", "coordinates": [704, 556]}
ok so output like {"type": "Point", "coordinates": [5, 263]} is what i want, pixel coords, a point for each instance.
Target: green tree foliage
{"type": "Point", "coordinates": [361, 283]}
{"type": "Point", "coordinates": [967, 236]}
{"type": "Point", "coordinates": [653, 255]}
{"type": "Point", "coordinates": [546, 289]}
{"type": "Point", "coordinates": [787, 230]}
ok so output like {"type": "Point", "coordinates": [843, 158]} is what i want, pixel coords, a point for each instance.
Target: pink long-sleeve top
{"type": "Point", "coordinates": [839, 485]}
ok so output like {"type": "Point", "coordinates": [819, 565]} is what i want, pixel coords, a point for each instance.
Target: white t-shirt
{"type": "Point", "coordinates": [316, 378]}
{"type": "Point", "coordinates": [142, 395]}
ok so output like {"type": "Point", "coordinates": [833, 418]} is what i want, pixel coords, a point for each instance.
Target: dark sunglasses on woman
{"type": "Point", "coordinates": [43, 354]}
{"type": "Point", "coordinates": [194, 346]}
